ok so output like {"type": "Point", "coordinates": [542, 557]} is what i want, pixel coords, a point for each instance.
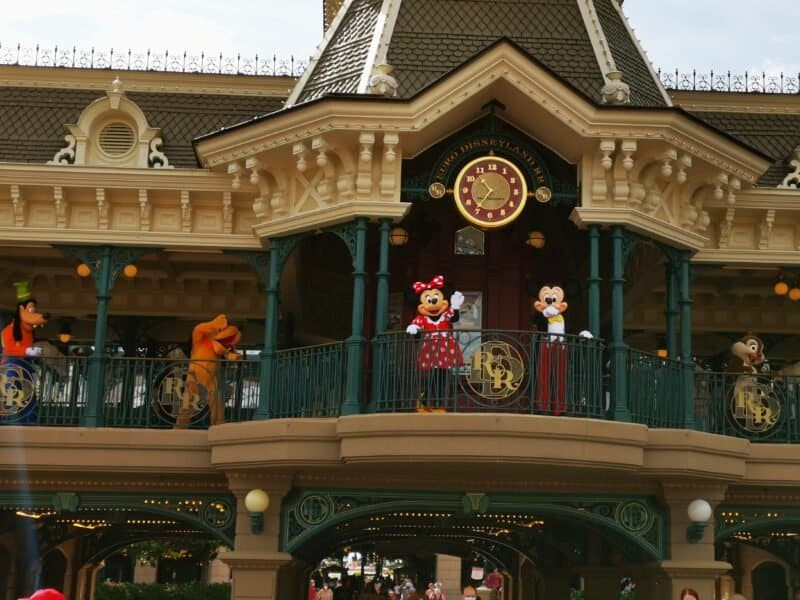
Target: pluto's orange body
{"type": "Point", "coordinates": [211, 342]}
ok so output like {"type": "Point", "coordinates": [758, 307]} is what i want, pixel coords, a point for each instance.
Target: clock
{"type": "Point", "coordinates": [490, 191]}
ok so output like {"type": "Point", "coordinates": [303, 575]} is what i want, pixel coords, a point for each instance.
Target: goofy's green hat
{"type": "Point", "coordinates": [23, 289]}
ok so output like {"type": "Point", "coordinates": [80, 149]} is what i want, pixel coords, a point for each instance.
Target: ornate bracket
{"type": "Point", "coordinates": [93, 256]}
{"type": "Point", "coordinates": [258, 261]}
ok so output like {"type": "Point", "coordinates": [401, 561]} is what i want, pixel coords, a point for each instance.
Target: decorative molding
{"type": "Point", "coordinates": [65, 156]}
{"type": "Point", "coordinates": [157, 159]}
{"type": "Point", "coordinates": [186, 212]}
{"type": "Point", "coordinates": [102, 208]}
{"type": "Point", "coordinates": [60, 206]}
{"type": "Point", "coordinates": [792, 180]}
{"type": "Point", "coordinates": [331, 215]}
{"type": "Point", "coordinates": [382, 82]}
{"type": "Point", "coordinates": [18, 203]}
{"type": "Point", "coordinates": [145, 210]}
{"type": "Point", "coordinates": [227, 213]}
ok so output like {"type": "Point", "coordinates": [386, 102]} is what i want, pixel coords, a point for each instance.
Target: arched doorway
{"type": "Point", "coordinates": [769, 582]}
{"type": "Point", "coordinates": [563, 539]}
{"type": "Point", "coordinates": [54, 567]}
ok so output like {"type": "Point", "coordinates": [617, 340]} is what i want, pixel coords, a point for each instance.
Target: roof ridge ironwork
{"type": "Point", "coordinates": [129, 60]}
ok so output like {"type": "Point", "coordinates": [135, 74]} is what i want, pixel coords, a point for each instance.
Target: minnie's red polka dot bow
{"type": "Point", "coordinates": [436, 282]}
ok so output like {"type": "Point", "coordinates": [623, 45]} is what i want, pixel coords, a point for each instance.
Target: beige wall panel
{"type": "Point", "coordinates": [207, 220]}
{"type": "Point", "coordinates": [166, 218]}
{"type": "Point", "coordinates": [82, 216]}
{"type": "Point", "coordinates": [243, 222]}
{"type": "Point", "coordinates": [125, 218]}
{"type": "Point", "coordinates": [782, 237]}
{"type": "Point", "coordinates": [41, 214]}
{"type": "Point", "coordinates": [6, 213]}
{"type": "Point", "coordinates": [743, 236]}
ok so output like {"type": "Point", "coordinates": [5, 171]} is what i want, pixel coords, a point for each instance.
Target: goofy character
{"type": "Point", "coordinates": [211, 342]}
{"type": "Point", "coordinates": [551, 391]}
{"type": "Point", "coordinates": [440, 350]}
{"type": "Point", "coordinates": [19, 402]}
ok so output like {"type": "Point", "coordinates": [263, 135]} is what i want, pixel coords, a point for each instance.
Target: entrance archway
{"type": "Point", "coordinates": [54, 567]}
{"type": "Point", "coordinates": [561, 536]}
{"type": "Point", "coordinates": [769, 582]}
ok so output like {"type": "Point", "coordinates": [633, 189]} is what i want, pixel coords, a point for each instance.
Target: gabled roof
{"type": "Point", "coordinates": [423, 40]}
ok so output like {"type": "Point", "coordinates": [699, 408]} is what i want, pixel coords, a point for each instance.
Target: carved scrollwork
{"type": "Point", "coordinates": [65, 156]}
{"type": "Point", "coordinates": [156, 158]}
{"type": "Point", "coordinates": [792, 180]}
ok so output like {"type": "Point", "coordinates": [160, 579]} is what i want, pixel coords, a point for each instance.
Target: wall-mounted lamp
{"type": "Point", "coordinates": [398, 236]}
{"type": "Point", "coordinates": [794, 292]}
{"type": "Point", "coordinates": [662, 353]}
{"type": "Point", "coordinates": [536, 240]}
{"type": "Point", "coordinates": [65, 332]}
{"type": "Point", "coordinates": [83, 270]}
{"type": "Point", "coordinates": [130, 271]}
{"type": "Point", "coordinates": [256, 502]}
{"type": "Point", "coordinates": [699, 512]}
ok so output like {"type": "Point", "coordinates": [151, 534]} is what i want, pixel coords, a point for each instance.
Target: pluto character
{"type": "Point", "coordinates": [211, 342]}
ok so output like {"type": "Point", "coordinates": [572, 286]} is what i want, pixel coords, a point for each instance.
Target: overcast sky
{"type": "Point", "coordinates": [702, 34]}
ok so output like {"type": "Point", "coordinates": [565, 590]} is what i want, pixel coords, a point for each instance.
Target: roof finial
{"type": "Point", "coordinates": [615, 91]}
{"type": "Point", "coordinates": [382, 83]}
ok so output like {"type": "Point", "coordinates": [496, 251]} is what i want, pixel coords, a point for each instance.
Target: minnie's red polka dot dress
{"type": "Point", "coordinates": [440, 349]}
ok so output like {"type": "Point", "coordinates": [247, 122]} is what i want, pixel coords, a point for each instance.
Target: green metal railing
{"type": "Point", "coordinates": [309, 382]}
{"type": "Point", "coordinates": [655, 393]}
{"type": "Point", "coordinates": [759, 407]}
{"type": "Point", "coordinates": [488, 371]}
{"type": "Point", "coordinates": [43, 391]}
{"type": "Point", "coordinates": [163, 393]}
{"type": "Point", "coordinates": [138, 392]}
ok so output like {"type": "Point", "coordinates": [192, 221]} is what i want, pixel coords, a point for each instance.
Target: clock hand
{"type": "Point", "coordinates": [482, 200]}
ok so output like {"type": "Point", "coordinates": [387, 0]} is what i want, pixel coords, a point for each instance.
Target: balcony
{"type": "Point", "coordinates": [492, 371]}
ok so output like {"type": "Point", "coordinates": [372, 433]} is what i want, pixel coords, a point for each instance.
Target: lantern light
{"type": "Point", "coordinates": [256, 502]}
{"type": "Point", "coordinates": [84, 270]}
{"type": "Point", "coordinates": [536, 240]}
{"type": "Point", "coordinates": [130, 271]}
{"type": "Point", "coordinates": [398, 236]}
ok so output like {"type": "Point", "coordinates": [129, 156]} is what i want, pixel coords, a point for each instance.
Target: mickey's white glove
{"type": "Point", "coordinates": [550, 311]}
{"type": "Point", "coordinates": [33, 351]}
{"type": "Point", "coordinates": [412, 329]}
{"type": "Point", "coordinates": [586, 334]}
{"type": "Point", "coordinates": [456, 300]}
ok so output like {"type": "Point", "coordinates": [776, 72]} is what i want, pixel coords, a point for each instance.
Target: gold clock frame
{"type": "Point", "coordinates": [469, 216]}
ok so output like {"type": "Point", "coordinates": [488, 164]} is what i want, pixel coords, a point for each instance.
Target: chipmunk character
{"type": "Point", "coordinates": [440, 350]}
{"type": "Point", "coordinates": [748, 354]}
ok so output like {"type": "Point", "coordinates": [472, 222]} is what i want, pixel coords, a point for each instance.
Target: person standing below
{"type": "Point", "coordinates": [494, 581]}
{"type": "Point", "coordinates": [689, 594]}
{"type": "Point", "coordinates": [325, 593]}
{"type": "Point", "coordinates": [46, 594]}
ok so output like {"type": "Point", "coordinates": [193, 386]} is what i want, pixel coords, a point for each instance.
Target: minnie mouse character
{"type": "Point", "coordinates": [440, 350]}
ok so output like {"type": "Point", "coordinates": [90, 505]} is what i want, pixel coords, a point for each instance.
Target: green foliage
{"type": "Point", "coordinates": [630, 595]}
{"type": "Point", "coordinates": [162, 591]}
{"type": "Point", "coordinates": [575, 594]}
{"type": "Point", "coordinates": [151, 551]}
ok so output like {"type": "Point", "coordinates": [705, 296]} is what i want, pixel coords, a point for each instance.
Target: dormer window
{"type": "Point", "coordinates": [112, 131]}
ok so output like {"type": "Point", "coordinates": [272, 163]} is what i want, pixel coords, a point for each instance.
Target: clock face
{"type": "Point", "coordinates": [490, 191]}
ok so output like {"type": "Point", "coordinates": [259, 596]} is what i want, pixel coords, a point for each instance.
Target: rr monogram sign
{"type": "Point", "coordinates": [496, 370]}
{"type": "Point", "coordinates": [755, 405]}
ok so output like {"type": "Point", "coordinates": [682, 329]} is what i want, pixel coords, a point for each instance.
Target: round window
{"type": "Point", "coordinates": [116, 139]}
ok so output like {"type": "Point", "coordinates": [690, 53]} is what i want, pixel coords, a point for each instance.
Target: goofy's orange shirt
{"type": "Point", "coordinates": [12, 347]}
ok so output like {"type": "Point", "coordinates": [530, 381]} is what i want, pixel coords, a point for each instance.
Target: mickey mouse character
{"type": "Point", "coordinates": [552, 368]}
{"type": "Point", "coordinates": [436, 315]}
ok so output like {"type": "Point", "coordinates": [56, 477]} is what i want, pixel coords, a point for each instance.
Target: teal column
{"type": "Point", "coordinates": [96, 363]}
{"type": "Point", "coordinates": [617, 347]}
{"type": "Point", "coordinates": [265, 408]}
{"type": "Point", "coordinates": [671, 311]}
{"type": "Point", "coordinates": [687, 361]}
{"type": "Point", "coordinates": [355, 343]}
{"type": "Point", "coordinates": [382, 275]}
{"type": "Point", "coordinates": [381, 310]}
{"type": "Point", "coordinates": [594, 280]}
